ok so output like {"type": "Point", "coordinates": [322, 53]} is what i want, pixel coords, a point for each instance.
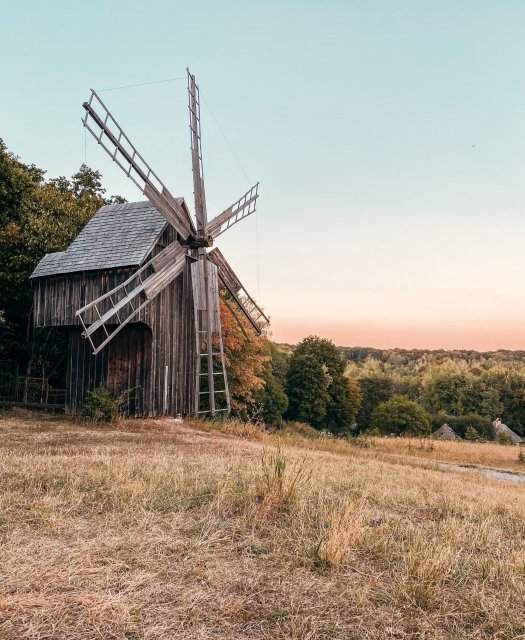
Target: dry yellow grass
{"type": "Point", "coordinates": [159, 530]}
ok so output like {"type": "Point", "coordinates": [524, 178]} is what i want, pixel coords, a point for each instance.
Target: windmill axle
{"type": "Point", "coordinates": [197, 243]}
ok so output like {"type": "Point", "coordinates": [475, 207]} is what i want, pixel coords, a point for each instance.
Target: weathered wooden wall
{"type": "Point", "coordinates": [125, 364]}
{"type": "Point", "coordinates": [156, 353]}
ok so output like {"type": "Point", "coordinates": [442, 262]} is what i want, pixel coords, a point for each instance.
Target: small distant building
{"type": "Point", "coordinates": [446, 433]}
{"type": "Point", "coordinates": [499, 427]}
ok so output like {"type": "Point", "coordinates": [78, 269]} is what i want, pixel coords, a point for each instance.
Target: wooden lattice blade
{"type": "Point", "coordinates": [123, 303]}
{"type": "Point", "coordinates": [196, 152]}
{"type": "Point", "coordinates": [233, 285]}
{"type": "Point", "coordinates": [239, 210]}
{"type": "Point", "coordinates": [110, 135]}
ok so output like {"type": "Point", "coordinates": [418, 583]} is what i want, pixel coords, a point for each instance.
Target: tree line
{"type": "Point", "coordinates": [337, 389]}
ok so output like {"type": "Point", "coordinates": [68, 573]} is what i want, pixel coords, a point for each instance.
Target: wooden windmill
{"type": "Point", "coordinates": [187, 254]}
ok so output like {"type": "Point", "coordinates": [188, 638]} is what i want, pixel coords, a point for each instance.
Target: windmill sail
{"type": "Point", "coordinates": [236, 212]}
{"type": "Point", "coordinates": [112, 138]}
{"type": "Point", "coordinates": [109, 313]}
{"type": "Point", "coordinates": [233, 285]}
{"type": "Point", "coordinates": [196, 152]}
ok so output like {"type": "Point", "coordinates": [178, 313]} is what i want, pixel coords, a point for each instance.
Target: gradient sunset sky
{"type": "Point", "coordinates": [388, 138]}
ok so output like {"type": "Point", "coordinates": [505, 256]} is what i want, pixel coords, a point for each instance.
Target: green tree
{"type": "Point", "coordinates": [375, 388]}
{"type": "Point", "coordinates": [307, 384]}
{"type": "Point", "coordinates": [272, 397]}
{"type": "Point", "coordinates": [460, 394]}
{"type": "Point", "coordinates": [481, 424]}
{"type": "Point", "coordinates": [510, 386]}
{"type": "Point", "coordinates": [36, 217]}
{"type": "Point", "coordinates": [355, 396]}
{"type": "Point", "coordinates": [401, 416]}
{"type": "Point", "coordinates": [472, 434]}
{"type": "Point", "coordinates": [339, 410]}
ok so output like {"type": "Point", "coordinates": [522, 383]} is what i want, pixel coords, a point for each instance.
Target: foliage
{"type": "Point", "coordinates": [510, 386]}
{"type": "Point", "coordinates": [453, 383]}
{"type": "Point", "coordinates": [36, 217]}
{"type": "Point", "coordinates": [272, 397]}
{"type": "Point", "coordinates": [375, 389]}
{"type": "Point", "coordinates": [355, 397]}
{"type": "Point", "coordinates": [503, 438]}
{"type": "Point", "coordinates": [247, 356]}
{"type": "Point", "coordinates": [472, 434]}
{"type": "Point", "coordinates": [327, 401]}
{"type": "Point", "coordinates": [401, 416]}
{"type": "Point", "coordinates": [459, 394]}
{"type": "Point", "coordinates": [307, 389]}
{"type": "Point", "coordinates": [103, 406]}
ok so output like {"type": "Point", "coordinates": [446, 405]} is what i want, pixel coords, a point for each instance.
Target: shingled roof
{"type": "Point", "coordinates": [118, 235]}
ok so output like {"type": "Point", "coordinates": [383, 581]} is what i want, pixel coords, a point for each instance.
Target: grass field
{"type": "Point", "coordinates": [154, 529]}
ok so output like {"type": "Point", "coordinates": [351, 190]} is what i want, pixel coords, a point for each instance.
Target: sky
{"type": "Point", "coordinates": [387, 137]}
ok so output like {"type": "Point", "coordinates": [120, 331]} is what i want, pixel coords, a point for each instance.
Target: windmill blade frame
{"type": "Point", "coordinates": [254, 314]}
{"type": "Point", "coordinates": [199, 192]}
{"type": "Point", "coordinates": [129, 298]}
{"type": "Point", "coordinates": [124, 153]}
{"type": "Point", "coordinates": [240, 209]}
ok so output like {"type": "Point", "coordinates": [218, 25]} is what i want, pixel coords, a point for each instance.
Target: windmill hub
{"type": "Point", "coordinates": [202, 241]}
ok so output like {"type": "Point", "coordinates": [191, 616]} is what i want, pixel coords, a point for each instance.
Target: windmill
{"type": "Point", "coordinates": [188, 253]}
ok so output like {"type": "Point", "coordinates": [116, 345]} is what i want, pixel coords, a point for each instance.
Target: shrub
{"type": "Point", "coordinates": [300, 429]}
{"type": "Point", "coordinates": [401, 416]}
{"type": "Point", "coordinates": [103, 406]}
{"type": "Point", "coordinates": [472, 434]}
{"type": "Point", "coordinates": [503, 438]}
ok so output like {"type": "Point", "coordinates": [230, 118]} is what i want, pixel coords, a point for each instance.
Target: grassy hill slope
{"type": "Point", "coordinates": [161, 530]}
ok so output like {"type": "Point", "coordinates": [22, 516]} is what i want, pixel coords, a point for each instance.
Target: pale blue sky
{"type": "Point", "coordinates": [387, 137]}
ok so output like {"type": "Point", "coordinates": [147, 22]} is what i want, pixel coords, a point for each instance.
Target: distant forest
{"type": "Point", "coordinates": [464, 388]}
{"type": "Point", "coordinates": [423, 357]}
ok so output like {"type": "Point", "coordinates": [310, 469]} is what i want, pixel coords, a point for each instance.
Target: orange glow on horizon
{"type": "Point", "coordinates": [504, 336]}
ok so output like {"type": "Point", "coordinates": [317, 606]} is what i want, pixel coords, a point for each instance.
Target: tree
{"type": "Point", "coordinates": [307, 384]}
{"type": "Point", "coordinates": [339, 409]}
{"type": "Point", "coordinates": [401, 416]}
{"type": "Point", "coordinates": [472, 434]}
{"type": "Point", "coordinates": [272, 397]}
{"type": "Point", "coordinates": [355, 397]}
{"type": "Point", "coordinates": [460, 394]}
{"type": "Point", "coordinates": [510, 386]}
{"type": "Point", "coordinates": [375, 388]}
{"type": "Point", "coordinates": [246, 357]}
{"type": "Point", "coordinates": [36, 217]}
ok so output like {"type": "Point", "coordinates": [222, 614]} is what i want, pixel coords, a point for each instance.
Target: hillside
{"type": "Point", "coordinates": [155, 529]}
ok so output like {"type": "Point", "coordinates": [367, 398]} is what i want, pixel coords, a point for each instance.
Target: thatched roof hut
{"type": "Point", "coordinates": [499, 427]}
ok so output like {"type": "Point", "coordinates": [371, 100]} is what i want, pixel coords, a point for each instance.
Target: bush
{"type": "Point", "coordinates": [300, 429]}
{"type": "Point", "coordinates": [472, 434]}
{"type": "Point", "coordinates": [103, 406]}
{"type": "Point", "coordinates": [503, 438]}
{"type": "Point", "coordinates": [401, 416]}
